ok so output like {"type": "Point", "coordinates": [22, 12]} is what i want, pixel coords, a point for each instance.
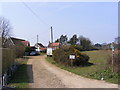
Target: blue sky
{"type": "Point", "coordinates": [97, 21]}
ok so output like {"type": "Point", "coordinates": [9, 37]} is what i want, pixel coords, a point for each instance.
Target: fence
{"type": "Point", "coordinates": [8, 57]}
{"type": "Point", "coordinates": [8, 65]}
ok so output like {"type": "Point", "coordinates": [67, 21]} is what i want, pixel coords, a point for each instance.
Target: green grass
{"type": "Point", "coordinates": [20, 78]}
{"type": "Point", "coordinates": [98, 57]}
{"type": "Point", "coordinates": [96, 71]}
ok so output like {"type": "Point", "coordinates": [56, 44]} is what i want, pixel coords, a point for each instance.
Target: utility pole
{"type": "Point", "coordinates": [37, 44]}
{"type": "Point", "coordinates": [51, 35]}
{"type": "Point", "coordinates": [37, 38]}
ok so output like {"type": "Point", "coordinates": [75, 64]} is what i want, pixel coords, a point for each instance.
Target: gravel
{"type": "Point", "coordinates": [45, 75]}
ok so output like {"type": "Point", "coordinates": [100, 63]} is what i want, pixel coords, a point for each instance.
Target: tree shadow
{"type": "Point", "coordinates": [24, 74]}
{"type": "Point", "coordinates": [87, 64]}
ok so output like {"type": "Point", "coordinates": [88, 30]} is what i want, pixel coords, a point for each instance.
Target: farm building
{"type": "Point", "coordinates": [54, 46]}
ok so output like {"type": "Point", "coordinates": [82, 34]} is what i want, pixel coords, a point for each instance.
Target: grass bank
{"type": "Point", "coordinates": [20, 78]}
{"type": "Point", "coordinates": [95, 71]}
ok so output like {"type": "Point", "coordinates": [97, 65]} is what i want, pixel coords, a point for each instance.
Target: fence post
{"type": "Point", "coordinates": [112, 47]}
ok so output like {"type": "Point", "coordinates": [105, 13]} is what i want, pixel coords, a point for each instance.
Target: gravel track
{"type": "Point", "coordinates": [46, 75]}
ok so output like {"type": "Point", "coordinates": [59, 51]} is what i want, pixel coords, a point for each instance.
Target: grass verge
{"type": "Point", "coordinates": [95, 71]}
{"type": "Point", "coordinates": [20, 78]}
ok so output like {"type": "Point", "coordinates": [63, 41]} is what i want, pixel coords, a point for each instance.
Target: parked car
{"type": "Point", "coordinates": [33, 53]}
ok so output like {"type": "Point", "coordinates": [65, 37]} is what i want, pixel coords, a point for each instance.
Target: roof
{"type": "Point", "coordinates": [43, 49]}
{"type": "Point", "coordinates": [20, 42]}
{"type": "Point", "coordinates": [17, 39]}
{"type": "Point", "coordinates": [25, 43]}
{"type": "Point", "coordinates": [53, 44]}
{"type": "Point", "coordinates": [41, 45]}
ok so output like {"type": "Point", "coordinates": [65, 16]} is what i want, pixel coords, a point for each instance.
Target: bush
{"type": "Point", "coordinates": [80, 48]}
{"type": "Point", "coordinates": [62, 56]}
{"type": "Point", "coordinates": [27, 49]}
{"type": "Point", "coordinates": [19, 51]}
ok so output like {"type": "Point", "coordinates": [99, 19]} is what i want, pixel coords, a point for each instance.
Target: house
{"type": "Point", "coordinates": [54, 46]}
{"type": "Point", "coordinates": [40, 47]}
{"type": "Point", "coordinates": [7, 42]}
{"type": "Point", "coordinates": [43, 49]}
{"type": "Point", "coordinates": [11, 42]}
{"type": "Point", "coordinates": [33, 48]}
{"type": "Point", "coordinates": [25, 43]}
{"type": "Point", "coordinates": [20, 42]}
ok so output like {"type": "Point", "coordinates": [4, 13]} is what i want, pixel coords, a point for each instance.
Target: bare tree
{"type": "Point", "coordinates": [5, 31]}
{"type": "Point", "coordinates": [5, 27]}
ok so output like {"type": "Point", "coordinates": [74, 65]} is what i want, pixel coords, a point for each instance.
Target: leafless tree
{"type": "Point", "coordinates": [5, 31]}
{"type": "Point", "coordinates": [5, 28]}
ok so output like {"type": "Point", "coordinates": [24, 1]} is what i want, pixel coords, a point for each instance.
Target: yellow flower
{"type": "Point", "coordinates": [78, 56]}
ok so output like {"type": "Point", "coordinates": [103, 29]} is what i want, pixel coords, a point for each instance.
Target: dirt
{"type": "Point", "coordinates": [42, 74]}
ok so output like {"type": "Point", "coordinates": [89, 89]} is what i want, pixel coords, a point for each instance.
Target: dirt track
{"type": "Point", "coordinates": [45, 75]}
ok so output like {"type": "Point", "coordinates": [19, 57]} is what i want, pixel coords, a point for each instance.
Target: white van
{"type": "Point", "coordinates": [49, 51]}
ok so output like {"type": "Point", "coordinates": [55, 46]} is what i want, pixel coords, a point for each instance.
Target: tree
{"type": "Point", "coordinates": [63, 39]}
{"type": "Point", "coordinates": [5, 27]}
{"type": "Point", "coordinates": [5, 30]}
{"type": "Point", "coordinates": [85, 43]}
{"type": "Point", "coordinates": [73, 40]}
{"type": "Point", "coordinates": [57, 40]}
{"type": "Point", "coordinates": [98, 45]}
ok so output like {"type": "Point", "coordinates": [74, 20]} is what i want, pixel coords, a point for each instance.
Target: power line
{"type": "Point", "coordinates": [34, 13]}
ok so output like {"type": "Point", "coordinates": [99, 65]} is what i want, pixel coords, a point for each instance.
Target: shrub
{"type": "Point", "coordinates": [62, 56]}
{"type": "Point", "coordinates": [27, 49]}
{"type": "Point", "coordinates": [19, 51]}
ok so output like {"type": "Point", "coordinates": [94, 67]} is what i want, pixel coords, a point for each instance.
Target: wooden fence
{"type": "Point", "coordinates": [8, 58]}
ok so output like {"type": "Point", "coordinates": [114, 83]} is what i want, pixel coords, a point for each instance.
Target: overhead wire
{"type": "Point", "coordinates": [34, 14]}
{"type": "Point", "coordinates": [38, 17]}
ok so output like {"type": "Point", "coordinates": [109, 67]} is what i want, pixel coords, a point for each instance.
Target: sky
{"type": "Point", "coordinates": [97, 21]}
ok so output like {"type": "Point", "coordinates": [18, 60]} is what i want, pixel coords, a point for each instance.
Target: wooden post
{"type": "Point", "coordinates": [112, 61]}
{"type": "Point", "coordinates": [71, 57]}
{"type": "Point", "coordinates": [112, 47]}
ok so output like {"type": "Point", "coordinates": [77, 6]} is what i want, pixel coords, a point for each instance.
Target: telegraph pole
{"type": "Point", "coordinates": [37, 38]}
{"type": "Point", "coordinates": [51, 35]}
{"type": "Point", "coordinates": [37, 44]}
